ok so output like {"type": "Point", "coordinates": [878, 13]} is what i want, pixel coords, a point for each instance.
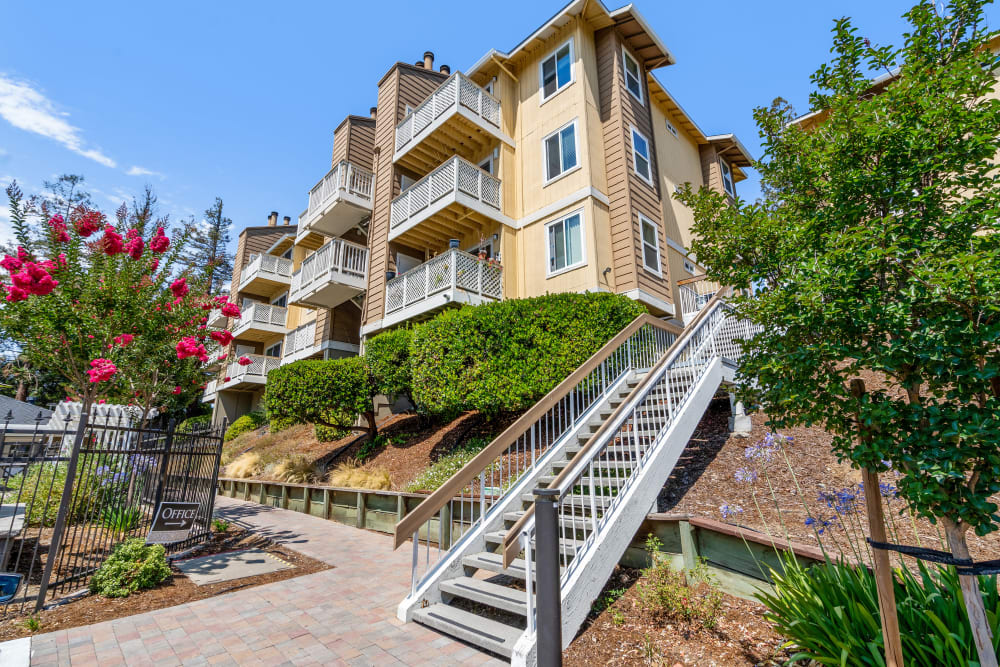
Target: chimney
{"type": "Point", "coordinates": [371, 111]}
{"type": "Point", "coordinates": [429, 60]}
{"type": "Point", "coordinates": [419, 63]}
{"type": "Point", "coordinates": [272, 219]}
{"type": "Point", "coordinates": [445, 69]}
{"type": "Point", "coordinates": [288, 220]}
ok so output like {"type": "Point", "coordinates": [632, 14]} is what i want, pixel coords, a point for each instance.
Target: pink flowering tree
{"type": "Point", "coordinates": [101, 302]}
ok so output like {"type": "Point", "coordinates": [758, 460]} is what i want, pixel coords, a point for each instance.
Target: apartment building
{"type": "Point", "coordinates": [547, 168]}
{"type": "Point", "coordinates": [288, 313]}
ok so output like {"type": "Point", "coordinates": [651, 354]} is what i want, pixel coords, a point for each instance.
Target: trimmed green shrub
{"type": "Point", "coordinates": [327, 434]}
{"type": "Point", "coordinates": [328, 393]}
{"type": "Point", "coordinates": [388, 359]}
{"type": "Point", "coordinates": [830, 614]}
{"type": "Point", "coordinates": [504, 356]}
{"type": "Point", "coordinates": [199, 423]}
{"type": "Point", "coordinates": [248, 422]}
{"type": "Point", "coordinates": [447, 465]}
{"type": "Point", "coordinates": [40, 488]}
{"type": "Point", "coordinates": [132, 566]}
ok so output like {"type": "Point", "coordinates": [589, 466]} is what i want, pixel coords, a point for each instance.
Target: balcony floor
{"type": "Point", "coordinates": [340, 214]}
{"type": "Point", "coordinates": [451, 216]}
{"type": "Point", "coordinates": [460, 133]}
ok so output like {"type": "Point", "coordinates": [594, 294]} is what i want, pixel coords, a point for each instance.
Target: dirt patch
{"type": "Point", "coordinates": [176, 589]}
{"type": "Point", "coordinates": [273, 447]}
{"type": "Point", "coordinates": [626, 633]}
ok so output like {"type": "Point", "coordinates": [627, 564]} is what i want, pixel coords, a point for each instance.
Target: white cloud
{"type": "Point", "coordinates": [136, 170]}
{"type": "Point", "coordinates": [27, 109]}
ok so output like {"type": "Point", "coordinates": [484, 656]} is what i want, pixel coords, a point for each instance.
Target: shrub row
{"type": "Point", "coordinates": [248, 422]}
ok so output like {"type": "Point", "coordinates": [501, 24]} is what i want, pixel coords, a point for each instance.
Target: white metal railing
{"type": "Point", "coordinates": [334, 261]}
{"type": "Point", "coordinates": [595, 480]}
{"type": "Point", "coordinates": [694, 293]}
{"type": "Point", "coordinates": [456, 175]}
{"type": "Point", "coordinates": [470, 498]}
{"type": "Point", "coordinates": [255, 371]}
{"type": "Point", "coordinates": [454, 269]}
{"type": "Point", "coordinates": [457, 90]}
{"type": "Point", "coordinates": [344, 177]}
{"type": "Point", "coordinates": [266, 266]}
{"type": "Point", "coordinates": [262, 313]}
{"type": "Point", "coordinates": [301, 339]}
{"type": "Point", "coordinates": [210, 389]}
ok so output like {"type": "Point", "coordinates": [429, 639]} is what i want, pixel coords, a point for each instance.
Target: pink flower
{"type": "Point", "coordinates": [89, 223]}
{"type": "Point", "coordinates": [227, 379]}
{"type": "Point", "coordinates": [123, 339]}
{"type": "Point", "coordinates": [102, 370]}
{"type": "Point", "coordinates": [155, 264]}
{"type": "Point", "coordinates": [159, 242]}
{"type": "Point", "coordinates": [10, 263]}
{"type": "Point", "coordinates": [34, 278]}
{"type": "Point", "coordinates": [221, 357]}
{"type": "Point", "coordinates": [231, 310]}
{"type": "Point", "coordinates": [190, 347]}
{"type": "Point", "coordinates": [179, 288]}
{"type": "Point", "coordinates": [133, 234]}
{"type": "Point", "coordinates": [101, 401]}
{"type": "Point", "coordinates": [244, 361]}
{"type": "Point", "coordinates": [176, 390]}
{"type": "Point", "coordinates": [15, 293]}
{"type": "Point", "coordinates": [112, 243]}
{"type": "Point", "coordinates": [134, 247]}
{"type": "Point", "coordinates": [222, 337]}
{"type": "Point", "coordinates": [62, 260]}
{"type": "Point", "coordinates": [58, 226]}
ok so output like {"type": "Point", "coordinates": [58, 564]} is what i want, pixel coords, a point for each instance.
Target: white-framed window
{"type": "Point", "coordinates": [556, 71]}
{"type": "Point", "coordinates": [281, 301]}
{"type": "Point", "coordinates": [650, 233]}
{"type": "Point", "coordinates": [565, 243]}
{"type": "Point", "coordinates": [670, 128]}
{"type": "Point", "coordinates": [640, 156]}
{"type": "Point", "coordinates": [690, 267]}
{"type": "Point", "coordinates": [287, 254]}
{"type": "Point", "coordinates": [487, 165]}
{"type": "Point", "coordinates": [633, 75]}
{"type": "Point", "coordinates": [274, 350]}
{"type": "Point", "coordinates": [559, 152]}
{"type": "Point", "coordinates": [727, 178]}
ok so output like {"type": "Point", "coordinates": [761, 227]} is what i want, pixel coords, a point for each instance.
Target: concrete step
{"type": "Point", "coordinates": [487, 593]}
{"type": "Point", "coordinates": [477, 630]}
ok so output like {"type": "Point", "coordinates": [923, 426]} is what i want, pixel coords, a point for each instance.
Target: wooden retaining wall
{"type": "Point", "coordinates": [740, 558]}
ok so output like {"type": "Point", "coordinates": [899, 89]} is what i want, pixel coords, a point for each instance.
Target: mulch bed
{"type": "Point", "coordinates": [626, 633]}
{"type": "Point", "coordinates": [176, 589]}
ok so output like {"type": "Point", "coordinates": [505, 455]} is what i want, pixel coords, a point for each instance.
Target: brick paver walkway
{"type": "Point", "coordinates": [342, 616]}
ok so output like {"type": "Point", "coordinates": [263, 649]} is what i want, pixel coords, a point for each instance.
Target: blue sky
{"type": "Point", "coordinates": [239, 100]}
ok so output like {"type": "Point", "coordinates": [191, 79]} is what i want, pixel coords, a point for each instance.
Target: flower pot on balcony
{"type": "Point", "coordinates": [389, 275]}
{"type": "Point", "coordinates": [482, 254]}
{"type": "Point", "coordinates": [452, 243]}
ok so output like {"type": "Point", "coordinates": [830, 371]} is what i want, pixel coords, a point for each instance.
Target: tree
{"type": "Point", "coordinates": [876, 243]}
{"type": "Point", "coordinates": [209, 248]}
{"type": "Point", "coordinates": [109, 313]}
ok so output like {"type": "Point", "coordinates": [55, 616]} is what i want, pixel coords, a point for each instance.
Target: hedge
{"type": "Point", "coordinates": [505, 356]}
{"type": "Point", "coordinates": [330, 393]}
{"type": "Point", "coordinates": [191, 424]}
{"type": "Point", "coordinates": [388, 358]}
{"type": "Point", "coordinates": [248, 422]}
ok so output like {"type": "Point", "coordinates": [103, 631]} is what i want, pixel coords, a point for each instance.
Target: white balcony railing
{"type": "Point", "coordinates": [270, 267]}
{"type": "Point", "coordinates": [256, 372]}
{"type": "Point", "coordinates": [216, 318]}
{"type": "Point", "coordinates": [452, 270]}
{"type": "Point", "coordinates": [456, 176]}
{"type": "Point", "coordinates": [337, 261]}
{"type": "Point", "coordinates": [344, 177]}
{"type": "Point", "coordinates": [300, 343]}
{"type": "Point", "coordinates": [694, 294]}
{"type": "Point", "coordinates": [261, 314]}
{"type": "Point", "coordinates": [457, 91]}
{"type": "Point", "coordinates": [210, 389]}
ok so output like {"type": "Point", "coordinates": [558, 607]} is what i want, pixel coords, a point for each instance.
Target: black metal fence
{"type": "Point", "coordinates": [69, 494]}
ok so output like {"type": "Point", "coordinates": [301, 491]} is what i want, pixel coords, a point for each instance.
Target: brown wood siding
{"type": "Point", "coordinates": [710, 170]}
{"type": "Point", "coordinates": [403, 86]}
{"type": "Point", "coordinates": [354, 141]}
{"type": "Point", "coordinates": [341, 324]}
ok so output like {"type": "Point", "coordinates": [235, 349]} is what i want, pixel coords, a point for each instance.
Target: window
{"type": "Point", "coordinates": [689, 267]}
{"type": "Point", "coordinates": [565, 243]}
{"type": "Point", "coordinates": [633, 75]}
{"type": "Point", "coordinates": [650, 244]}
{"type": "Point", "coordinates": [727, 178]}
{"type": "Point", "coordinates": [670, 128]}
{"type": "Point", "coordinates": [557, 70]}
{"type": "Point", "coordinates": [560, 152]}
{"type": "Point", "coordinates": [281, 301]}
{"type": "Point", "coordinates": [487, 165]}
{"type": "Point", "coordinates": [640, 156]}
{"type": "Point", "coordinates": [274, 350]}
{"type": "Point", "coordinates": [287, 254]}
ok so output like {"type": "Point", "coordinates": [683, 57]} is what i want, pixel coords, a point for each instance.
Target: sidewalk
{"type": "Point", "coordinates": [342, 616]}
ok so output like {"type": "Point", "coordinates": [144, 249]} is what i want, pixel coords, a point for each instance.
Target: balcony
{"type": "Point", "coordinates": [216, 319]}
{"type": "Point", "coordinates": [266, 274]}
{"type": "Point", "coordinates": [261, 322]}
{"type": "Point", "coordinates": [251, 376]}
{"type": "Point", "coordinates": [336, 272]}
{"type": "Point", "coordinates": [452, 277]}
{"type": "Point", "coordinates": [456, 199]}
{"type": "Point", "coordinates": [341, 200]}
{"type": "Point", "coordinates": [458, 118]}
{"type": "Point", "coordinates": [300, 344]}
{"type": "Point", "coordinates": [210, 390]}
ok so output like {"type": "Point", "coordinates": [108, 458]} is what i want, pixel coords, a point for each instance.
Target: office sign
{"type": "Point", "coordinates": [173, 522]}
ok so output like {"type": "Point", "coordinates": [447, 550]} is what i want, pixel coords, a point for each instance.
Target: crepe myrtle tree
{"type": "Point", "coordinates": [99, 302]}
{"type": "Point", "coordinates": [876, 255]}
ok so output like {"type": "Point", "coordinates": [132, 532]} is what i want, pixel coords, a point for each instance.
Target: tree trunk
{"type": "Point", "coordinates": [973, 598]}
{"type": "Point", "coordinates": [372, 424]}
{"type": "Point", "coordinates": [22, 391]}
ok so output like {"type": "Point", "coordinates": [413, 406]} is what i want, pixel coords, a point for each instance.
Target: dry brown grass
{"type": "Point", "coordinates": [245, 465]}
{"type": "Point", "coordinates": [296, 470]}
{"type": "Point", "coordinates": [352, 476]}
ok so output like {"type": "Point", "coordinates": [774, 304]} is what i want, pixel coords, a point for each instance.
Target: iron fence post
{"type": "Point", "coordinates": [164, 467]}
{"type": "Point", "coordinates": [548, 599]}
{"type": "Point", "coordinates": [64, 503]}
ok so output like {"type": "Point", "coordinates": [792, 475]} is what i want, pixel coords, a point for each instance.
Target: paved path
{"type": "Point", "coordinates": [342, 616]}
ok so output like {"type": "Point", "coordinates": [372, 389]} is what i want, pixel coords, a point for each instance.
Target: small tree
{"type": "Point", "coordinates": [107, 312]}
{"type": "Point", "coordinates": [209, 248]}
{"type": "Point", "coordinates": [876, 245]}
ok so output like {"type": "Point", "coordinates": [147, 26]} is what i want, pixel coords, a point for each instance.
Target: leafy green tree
{"type": "Point", "coordinates": [209, 248]}
{"type": "Point", "coordinates": [877, 249]}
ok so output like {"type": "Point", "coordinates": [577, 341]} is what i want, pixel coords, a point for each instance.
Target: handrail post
{"type": "Point", "coordinates": [547, 580]}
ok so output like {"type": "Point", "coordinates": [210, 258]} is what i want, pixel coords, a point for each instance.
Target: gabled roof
{"type": "Point", "coordinates": [21, 412]}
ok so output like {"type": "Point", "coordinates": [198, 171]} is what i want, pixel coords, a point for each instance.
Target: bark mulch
{"type": "Point", "coordinates": [176, 589]}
